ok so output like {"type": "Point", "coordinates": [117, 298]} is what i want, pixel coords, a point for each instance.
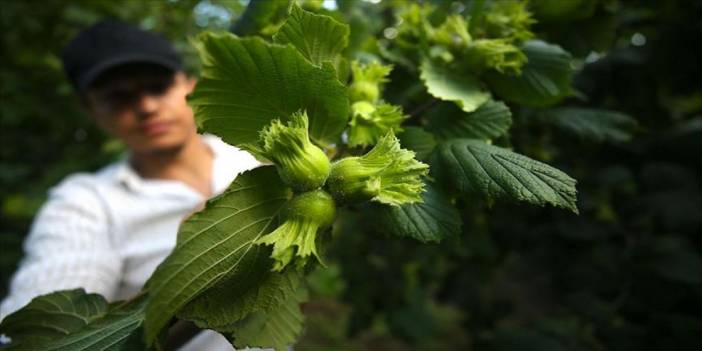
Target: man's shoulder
{"type": "Point", "coordinates": [87, 184]}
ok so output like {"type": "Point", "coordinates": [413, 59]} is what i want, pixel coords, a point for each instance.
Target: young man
{"type": "Point", "coordinates": [106, 232]}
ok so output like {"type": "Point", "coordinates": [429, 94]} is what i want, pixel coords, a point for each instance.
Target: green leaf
{"type": "Point", "coordinates": [472, 166]}
{"type": "Point", "coordinates": [73, 320]}
{"type": "Point", "coordinates": [452, 85]}
{"type": "Point", "coordinates": [260, 16]}
{"type": "Point", "coordinates": [278, 328]}
{"type": "Point", "coordinates": [431, 220]}
{"type": "Point", "coordinates": [119, 329]}
{"type": "Point", "coordinates": [419, 141]}
{"type": "Point", "coordinates": [544, 81]}
{"type": "Point", "coordinates": [253, 287]}
{"type": "Point", "coordinates": [54, 315]}
{"type": "Point", "coordinates": [319, 38]}
{"type": "Point", "coordinates": [489, 121]}
{"type": "Point", "coordinates": [592, 124]}
{"type": "Point", "coordinates": [214, 244]}
{"type": "Point", "coordinates": [247, 82]}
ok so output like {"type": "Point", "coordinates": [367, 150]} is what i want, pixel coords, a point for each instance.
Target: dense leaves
{"type": "Point", "coordinates": [247, 82]}
{"type": "Point", "coordinates": [214, 244]}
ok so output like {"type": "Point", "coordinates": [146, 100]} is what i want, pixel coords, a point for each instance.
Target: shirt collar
{"type": "Point", "coordinates": [129, 178]}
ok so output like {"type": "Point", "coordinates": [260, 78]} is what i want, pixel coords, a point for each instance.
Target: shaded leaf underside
{"type": "Point", "coordinates": [213, 243]}
{"type": "Point", "coordinates": [277, 328]}
{"type": "Point", "coordinates": [429, 221]}
{"type": "Point", "coordinates": [73, 320]}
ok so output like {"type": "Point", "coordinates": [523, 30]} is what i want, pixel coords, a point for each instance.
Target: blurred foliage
{"type": "Point", "coordinates": [626, 274]}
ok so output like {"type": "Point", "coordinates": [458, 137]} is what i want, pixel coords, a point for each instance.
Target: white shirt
{"type": "Point", "coordinates": [107, 232]}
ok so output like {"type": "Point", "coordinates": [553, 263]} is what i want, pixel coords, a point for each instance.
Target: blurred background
{"type": "Point", "coordinates": [625, 274]}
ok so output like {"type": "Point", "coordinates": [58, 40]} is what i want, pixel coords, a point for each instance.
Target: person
{"type": "Point", "coordinates": [107, 231]}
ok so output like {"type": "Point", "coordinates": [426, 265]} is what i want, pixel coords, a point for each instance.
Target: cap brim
{"type": "Point", "coordinates": [90, 76]}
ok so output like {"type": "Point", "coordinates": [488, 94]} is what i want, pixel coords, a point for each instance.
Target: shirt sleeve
{"type": "Point", "coordinates": [68, 247]}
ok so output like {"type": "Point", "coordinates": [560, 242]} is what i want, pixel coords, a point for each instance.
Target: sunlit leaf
{"type": "Point", "coordinates": [472, 166]}
{"type": "Point", "coordinates": [319, 38]}
{"type": "Point", "coordinates": [247, 82]}
{"type": "Point", "coordinates": [451, 85]}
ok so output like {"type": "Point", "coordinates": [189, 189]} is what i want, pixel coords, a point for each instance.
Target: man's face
{"type": "Point", "coordinates": [144, 106]}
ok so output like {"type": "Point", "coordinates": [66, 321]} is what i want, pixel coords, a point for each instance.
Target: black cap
{"type": "Point", "coordinates": [112, 43]}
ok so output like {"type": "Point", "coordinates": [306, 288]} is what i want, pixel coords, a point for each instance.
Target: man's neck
{"type": "Point", "coordinates": [190, 163]}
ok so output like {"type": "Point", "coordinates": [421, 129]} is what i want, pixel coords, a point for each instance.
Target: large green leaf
{"type": "Point", "coordinates": [449, 84]}
{"type": "Point", "coordinates": [319, 38]}
{"type": "Point", "coordinates": [247, 82]}
{"type": "Point", "coordinates": [491, 120]}
{"type": "Point", "coordinates": [53, 315]}
{"type": "Point", "coordinates": [431, 220]}
{"type": "Point", "coordinates": [544, 81]}
{"type": "Point", "coordinates": [73, 320]}
{"type": "Point", "coordinates": [472, 166]}
{"type": "Point", "coordinates": [252, 287]}
{"type": "Point", "coordinates": [214, 244]}
{"type": "Point", "coordinates": [592, 124]}
{"type": "Point", "coordinates": [418, 140]}
{"type": "Point", "coordinates": [278, 327]}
